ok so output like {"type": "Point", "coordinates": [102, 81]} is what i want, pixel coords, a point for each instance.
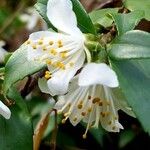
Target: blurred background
{"type": "Point", "coordinates": [18, 19]}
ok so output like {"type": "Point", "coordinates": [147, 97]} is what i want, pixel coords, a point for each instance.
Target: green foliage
{"type": "Point", "coordinates": [126, 22]}
{"type": "Point", "coordinates": [134, 81]}
{"type": "Point", "coordinates": [128, 54]}
{"type": "Point", "coordinates": [18, 67]}
{"type": "Point", "coordinates": [133, 74]}
{"type": "Point", "coordinates": [84, 22]}
{"type": "Point", "coordinates": [143, 5]}
{"type": "Point", "coordinates": [131, 45]}
{"type": "Point", "coordinates": [16, 133]}
{"type": "Point", "coordinates": [5, 15]}
{"type": "Point", "coordinates": [101, 16]}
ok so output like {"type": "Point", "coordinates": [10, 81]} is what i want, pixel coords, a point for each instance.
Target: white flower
{"type": "Point", "coordinates": [4, 111]}
{"type": "Point", "coordinates": [91, 99]}
{"type": "Point", "coordinates": [31, 18]}
{"type": "Point", "coordinates": [63, 52]}
{"type": "Point", "coordinates": [2, 52]}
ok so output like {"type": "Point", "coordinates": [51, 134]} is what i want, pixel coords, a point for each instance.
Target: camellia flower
{"type": "Point", "coordinates": [63, 52]}
{"type": "Point", "coordinates": [91, 99]}
{"type": "Point", "coordinates": [4, 111]}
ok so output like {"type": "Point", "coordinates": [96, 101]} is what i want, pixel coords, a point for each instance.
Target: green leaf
{"type": "Point", "coordinates": [101, 17]}
{"type": "Point", "coordinates": [134, 79]}
{"type": "Point", "coordinates": [16, 133]}
{"type": "Point", "coordinates": [126, 22]}
{"type": "Point", "coordinates": [84, 21]}
{"type": "Point", "coordinates": [18, 67]}
{"type": "Point", "coordinates": [143, 5]}
{"type": "Point", "coordinates": [131, 45]}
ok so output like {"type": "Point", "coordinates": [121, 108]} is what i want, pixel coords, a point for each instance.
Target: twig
{"type": "Point", "coordinates": [54, 134]}
{"type": "Point", "coordinates": [30, 84]}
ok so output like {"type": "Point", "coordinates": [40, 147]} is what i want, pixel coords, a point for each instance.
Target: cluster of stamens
{"type": "Point", "coordinates": [53, 57]}
{"type": "Point", "coordinates": [95, 101]}
{"type": "Point", "coordinates": [47, 75]}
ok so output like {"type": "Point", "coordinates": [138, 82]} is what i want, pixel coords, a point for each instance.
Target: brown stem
{"type": "Point", "coordinates": [31, 84]}
{"type": "Point", "coordinates": [54, 134]}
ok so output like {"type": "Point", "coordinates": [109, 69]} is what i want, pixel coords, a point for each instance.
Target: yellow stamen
{"type": "Point", "coordinates": [113, 128]}
{"type": "Point", "coordinates": [84, 136]}
{"type": "Point", "coordinates": [89, 97]}
{"type": "Point", "coordinates": [96, 100]}
{"type": "Point", "coordinates": [89, 109]}
{"type": "Point", "coordinates": [34, 47]}
{"type": "Point", "coordinates": [48, 75]}
{"type": "Point", "coordinates": [51, 42]}
{"type": "Point", "coordinates": [110, 122]}
{"type": "Point", "coordinates": [75, 119]}
{"type": "Point", "coordinates": [48, 62]}
{"type": "Point", "coordinates": [83, 113]}
{"type": "Point", "coordinates": [116, 118]}
{"type": "Point", "coordinates": [100, 103]}
{"type": "Point", "coordinates": [63, 54]}
{"type": "Point", "coordinates": [80, 106]}
{"type": "Point", "coordinates": [40, 42]}
{"type": "Point", "coordinates": [60, 65]}
{"type": "Point", "coordinates": [44, 48]}
{"type": "Point", "coordinates": [71, 64]}
{"type": "Point", "coordinates": [28, 42]}
{"type": "Point", "coordinates": [53, 51]}
{"type": "Point", "coordinates": [102, 114]}
{"type": "Point", "coordinates": [60, 44]}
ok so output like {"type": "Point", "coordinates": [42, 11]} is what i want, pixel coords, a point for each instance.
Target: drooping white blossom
{"type": "Point", "coordinates": [91, 99]}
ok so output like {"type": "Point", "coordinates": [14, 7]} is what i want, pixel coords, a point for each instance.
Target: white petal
{"type": "Point", "coordinates": [3, 53]}
{"type": "Point", "coordinates": [4, 111]}
{"type": "Point", "coordinates": [121, 102]}
{"type": "Point", "coordinates": [42, 83]}
{"type": "Point", "coordinates": [58, 84]}
{"type": "Point", "coordinates": [98, 74]}
{"type": "Point", "coordinates": [72, 44]}
{"type": "Point", "coordinates": [61, 15]}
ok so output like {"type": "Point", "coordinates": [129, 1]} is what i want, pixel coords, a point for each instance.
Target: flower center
{"type": "Point", "coordinates": [53, 52]}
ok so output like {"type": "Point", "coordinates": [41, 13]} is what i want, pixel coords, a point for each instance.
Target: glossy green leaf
{"type": "Point", "coordinates": [143, 5]}
{"type": "Point", "coordinates": [134, 79]}
{"type": "Point", "coordinates": [18, 67]}
{"type": "Point", "coordinates": [101, 17]}
{"type": "Point", "coordinates": [16, 133]}
{"type": "Point", "coordinates": [126, 22]}
{"type": "Point", "coordinates": [131, 45]}
{"type": "Point", "coordinates": [84, 21]}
